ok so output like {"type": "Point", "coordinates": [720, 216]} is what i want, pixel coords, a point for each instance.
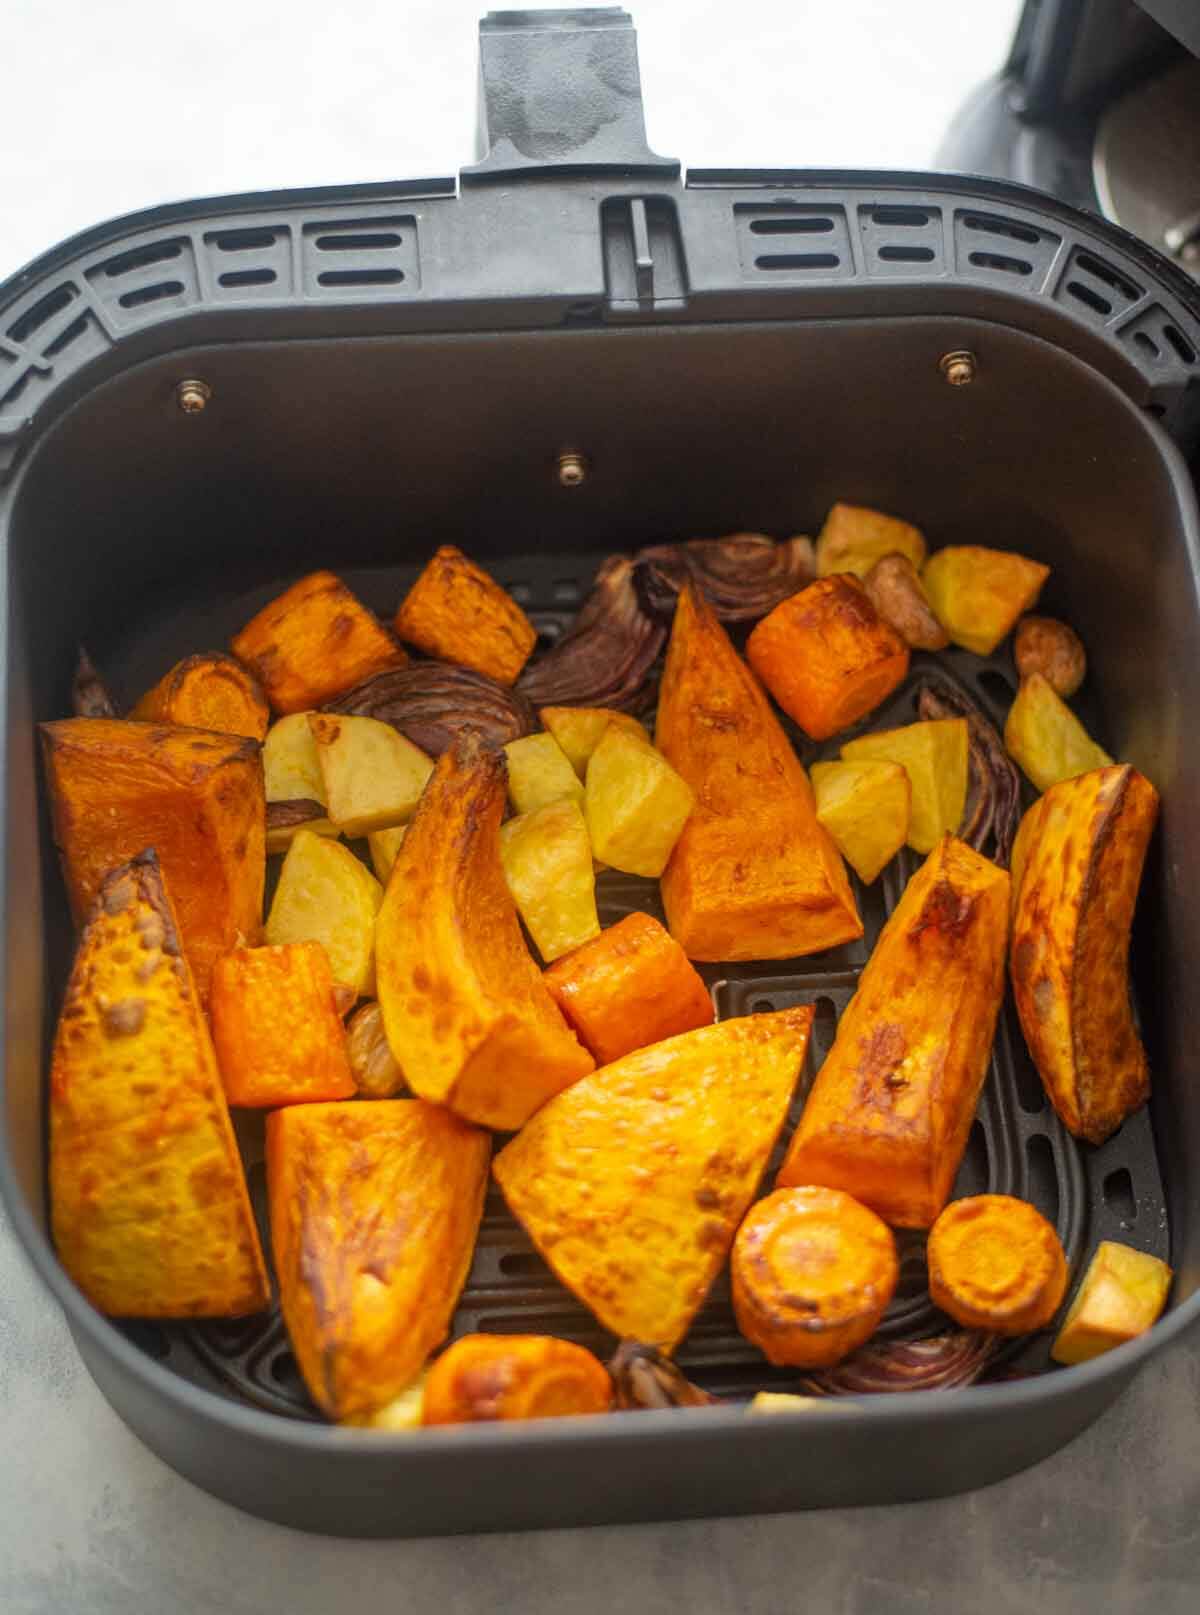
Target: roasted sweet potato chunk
{"type": "Point", "coordinates": [276, 1028]}
{"type": "Point", "coordinates": [117, 787]}
{"type": "Point", "coordinates": [374, 1213]}
{"type": "Point", "coordinates": [631, 986]}
{"type": "Point", "coordinates": [888, 1115]}
{"type": "Point", "coordinates": [485, 1377]}
{"type": "Point", "coordinates": [148, 1202]}
{"type": "Point", "coordinates": [1122, 1294]}
{"type": "Point", "coordinates": [978, 594]}
{"type": "Point", "coordinates": [753, 874]}
{"type": "Point", "coordinates": [313, 642]}
{"type": "Point", "coordinates": [632, 1183]}
{"type": "Point", "coordinates": [208, 692]}
{"type": "Point", "coordinates": [827, 656]}
{"type": "Point", "coordinates": [854, 538]}
{"type": "Point", "coordinates": [995, 1263]}
{"type": "Point", "coordinates": [456, 612]}
{"type": "Point", "coordinates": [813, 1272]}
{"type": "Point", "coordinates": [1081, 863]}
{"type": "Point", "coordinates": [468, 1017]}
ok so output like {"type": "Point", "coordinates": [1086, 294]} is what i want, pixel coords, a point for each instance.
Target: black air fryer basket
{"type": "Point", "coordinates": [376, 370]}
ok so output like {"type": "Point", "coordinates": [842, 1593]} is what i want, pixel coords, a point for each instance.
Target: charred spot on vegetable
{"type": "Point", "coordinates": [125, 1018]}
{"type": "Point", "coordinates": [947, 910]}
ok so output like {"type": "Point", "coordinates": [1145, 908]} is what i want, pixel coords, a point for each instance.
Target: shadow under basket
{"type": "Point", "coordinates": [386, 369]}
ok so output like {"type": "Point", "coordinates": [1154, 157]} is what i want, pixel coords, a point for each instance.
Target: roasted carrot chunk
{"type": "Point", "coordinates": [374, 1213]}
{"type": "Point", "coordinates": [827, 656]}
{"type": "Point", "coordinates": [995, 1263]}
{"type": "Point", "coordinates": [485, 1377]}
{"type": "Point", "coordinates": [467, 1014]}
{"type": "Point", "coordinates": [753, 874]}
{"type": "Point", "coordinates": [276, 1028]}
{"type": "Point", "coordinates": [813, 1272]}
{"type": "Point", "coordinates": [313, 642]}
{"type": "Point", "coordinates": [888, 1115]}
{"type": "Point", "coordinates": [148, 1202]}
{"type": "Point", "coordinates": [208, 692]}
{"type": "Point", "coordinates": [632, 1183]}
{"type": "Point", "coordinates": [630, 986]}
{"type": "Point", "coordinates": [456, 612]}
{"type": "Point", "coordinates": [117, 787]}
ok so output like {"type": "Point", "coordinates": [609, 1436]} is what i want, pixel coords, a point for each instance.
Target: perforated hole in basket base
{"type": "Point", "coordinates": [1017, 1145]}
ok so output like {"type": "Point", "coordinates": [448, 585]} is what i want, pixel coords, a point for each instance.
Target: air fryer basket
{"type": "Point", "coordinates": [389, 368]}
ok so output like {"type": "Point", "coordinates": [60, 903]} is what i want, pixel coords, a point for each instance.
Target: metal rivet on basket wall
{"type": "Point", "coordinates": [958, 367]}
{"type": "Point", "coordinates": [572, 469]}
{"type": "Point", "coordinates": [192, 396]}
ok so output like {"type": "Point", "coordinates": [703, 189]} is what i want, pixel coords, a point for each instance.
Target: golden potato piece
{"type": "Point", "coordinates": [978, 594]}
{"type": "Point", "coordinates": [632, 1183]}
{"type": "Point", "coordinates": [1081, 863]}
{"type": "Point", "coordinates": [383, 846]}
{"type": "Point", "coordinates": [148, 1202]}
{"type": "Point", "coordinates": [326, 895]}
{"type": "Point", "coordinates": [117, 787]}
{"type": "Point", "coordinates": [547, 860]}
{"type": "Point", "coordinates": [866, 807]}
{"type": "Point", "coordinates": [468, 1017]}
{"type": "Point", "coordinates": [888, 1116]}
{"type": "Point", "coordinates": [459, 614]}
{"type": "Point", "coordinates": [1046, 739]}
{"type": "Point", "coordinates": [934, 755]}
{"type": "Point", "coordinates": [374, 1213]}
{"type": "Point", "coordinates": [540, 772]}
{"type": "Point", "coordinates": [294, 786]}
{"type": "Point", "coordinates": [854, 538]}
{"type": "Point", "coordinates": [373, 775]}
{"type": "Point", "coordinates": [1122, 1294]}
{"type": "Point", "coordinates": [636, 804]}
{"type": "Point", "coordinates": [578, 730]}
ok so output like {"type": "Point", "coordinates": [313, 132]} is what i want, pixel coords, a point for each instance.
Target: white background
{"type": "Point", "coordinates": [118, 105]}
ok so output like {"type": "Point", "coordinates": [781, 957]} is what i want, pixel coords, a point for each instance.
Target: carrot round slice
{"type": "Point", "coordinates": [996, 1263]}
{"type": "Point", "coordinates": [485, 1377]}
{"type": "Point", "coordinates": [813, 1272]}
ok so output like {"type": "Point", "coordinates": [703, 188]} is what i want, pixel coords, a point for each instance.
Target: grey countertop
{"type": "Point", "coordinates": [93, 1524]}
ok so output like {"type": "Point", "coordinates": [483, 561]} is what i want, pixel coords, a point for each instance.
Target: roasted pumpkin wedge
{"type": "Point", "coordinates": [888, 1115]}
{"type": "Point", "coordinates": [374, 1213]}
{"type": "Point", "coordinates": [208, 692]}
{"type": "Point", "coordinates": [1081, 863]}
{"type": "Point", "coordinates": [467, 1015]}
{"type": "Point", "coordinates": [632, 1183]}
{"type": "Point", "coordinates": [753, 874]}
{"type": "Point", "coordinates": [117, 787]}
{"type": "Point", "coordinates": [148, 1202]}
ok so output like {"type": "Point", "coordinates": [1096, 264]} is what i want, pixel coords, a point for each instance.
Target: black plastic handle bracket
{"type": "Point", "coordinates": [560, 92]}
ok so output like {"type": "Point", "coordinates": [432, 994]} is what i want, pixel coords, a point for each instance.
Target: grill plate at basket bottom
{"type": "Point", "coordinates": [1017, 1144]}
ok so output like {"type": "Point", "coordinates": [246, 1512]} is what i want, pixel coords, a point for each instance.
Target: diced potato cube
{"type": "Point", "coordinates": [547, 860]}
{"type": "Point", "coordinates": [977, 594]}
{"type": "Point", "coordinates": [276, 1028]}
{"type": "Point", "coordinates": [1045, 737]}
{"type": "Point", "coordinates": [866, 807]}
{"type": "Point", "coordinates": [578, 730]}
{"type": "Point", "coordinates": [540, 772]}
{"type": "Point", "coordinates": [383, 846]}
{"type": "Point", "coordinates": [326, 895]}
{"type": "Point", "coordinates": [636, 804]}
{"type": "Point", "coordinates": [373, 774]}
{"type": "Point", "coordinates": [1122, 1293]}
{"type": "Point", "coordinates": [313, 642]}
{"type": "Point", "coordinates": [854, 538]}
{"type": "Point", "coordinates": [291, 767]}
{"type": "Point", "coordinates": [934, 756]}
{"type": "Point", "coordinates": [459, 614]}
